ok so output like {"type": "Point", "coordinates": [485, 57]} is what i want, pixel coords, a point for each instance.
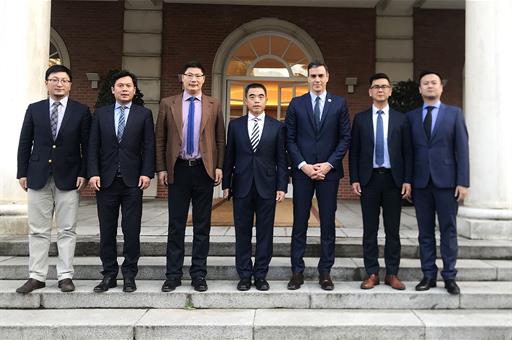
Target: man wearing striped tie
{"type": "Point", "coordinates": [52, 169]}
{"type": "Point", "coordinates": [255, 171]}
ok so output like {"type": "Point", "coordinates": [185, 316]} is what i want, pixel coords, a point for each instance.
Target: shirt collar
{"type": "Point", "coordinates": [261, 116]}
{"type": "Point", "coordinates": [187, 95]}
{"type": "Point", "coordinates": [63, 101]}
{"type": "Point", "coordinates": [322, 96]}
{"type": "Point", "coordinates": [436, 105]}
{"type": "Point", "coordinates": [126, 106]}
{"type": "Point", "coordinates": [385, 109]}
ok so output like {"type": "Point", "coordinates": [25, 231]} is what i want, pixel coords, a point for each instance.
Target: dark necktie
{"type": "Point", "coordinates": [54, 119]}
{"type": "Point", "coordinates": [379, 139]}
{"type": "Point", "coordinates": [190, 126]}
{"type": "Point", "coordinates": [255, 135]}
{"type": "Point", "coordinates": [427, 122]}
{"type": "Point", "coordinates": [121, 123]}
{"type": "Point", "coordinates": [316, 112]}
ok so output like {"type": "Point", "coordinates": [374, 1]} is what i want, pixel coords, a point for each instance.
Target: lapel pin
{"type": "Point", "coordinates": [329, 100]}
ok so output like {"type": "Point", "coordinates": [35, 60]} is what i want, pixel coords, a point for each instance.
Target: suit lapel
{"type": "Point", "coordinates": [132, 117]}
{"type": "Point", "coordinates": [45, 108]}
{"type": "Point", "coordinates": [111, 120]}
{"type": "Point", "coordinates": [66, 117]}
{"type": "Point", "coordinates": [246, 138]}
{"type": "Point", "coordinates": [206, 112]}
{"type": "Point", "coordinates": [325, 111]}
{"type": "Point", "coordinates": [264, 133]}
{"type": "Point", "coordinates": [176, 111]}
{"type": "Point", "coordinates": [440, 116]}
{"type": "Point", "coordinates": [391, 125]}
{"type": "Point", "coordinates": [368, 122]}
{"type": "Point", "coordinates": [309, 109]}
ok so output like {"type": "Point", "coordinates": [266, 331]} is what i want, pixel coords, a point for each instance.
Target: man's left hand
{"type": "Point", "coordinates": [280, 196]}
{"type": "Point", "coordinates": [218, 176]}
{"type": "Point", "coordinates": [80, 183]}
{"type": "Point", "coordinates": [460, 193]}
{"type": "Point", "coordinates": [144, 182]}
{"type": "Point", "coordinates": [406, 191]}
{"type": "Point", "coordinates": [323, 168]}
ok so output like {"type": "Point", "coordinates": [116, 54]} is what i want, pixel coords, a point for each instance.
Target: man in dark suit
{"type": "Point", "coordinates": [440, 178]}
{"type": "Point", "coordinates": [121, 165]}
{"type": "Point", "coordinates": [318, 136]}
{"type": "Point", "coordinates": [255, 170]}
{"type": "Point", "coordinates": [190, 137]}
{"type": "Point", "coordinates": [380, 173]}
{"type": "Point", "coordinates": [52, 168]}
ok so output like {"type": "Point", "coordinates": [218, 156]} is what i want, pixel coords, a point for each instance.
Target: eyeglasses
{"type": "Point", "coordinates": [55, 81]}
{"type": "Point", "coordinates": [191, 76]}
{"type": "Point", "coordinates": [380, 87]}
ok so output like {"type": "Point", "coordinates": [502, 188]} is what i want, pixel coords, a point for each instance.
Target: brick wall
{"type": "Point", "coordinates": [439, 43]}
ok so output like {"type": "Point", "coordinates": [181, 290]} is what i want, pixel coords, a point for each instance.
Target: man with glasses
{"type": "Point", "coordinates": [52, 169]}
{"type": "Point", "coordinates": [380, 161]}
{"type": "Point", "coordinates": [190, 137]}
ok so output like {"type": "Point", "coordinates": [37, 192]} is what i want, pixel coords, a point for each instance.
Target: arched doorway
{"type": "Point", "coordinates": [58, 51]}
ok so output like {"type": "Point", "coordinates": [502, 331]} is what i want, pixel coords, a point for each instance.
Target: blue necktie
{"type": "Point", "coordinates": [190, 127]}
{"type": "Point", "coordinates": [379, 140]}
{"type": "Point", "coordinates": [316, 112]}
{"type": "Point", "coordinates": [121, 123]}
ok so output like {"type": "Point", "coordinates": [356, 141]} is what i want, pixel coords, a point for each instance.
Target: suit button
{"type": "Point", "coordinates": [49, 161]}
{"type": "Point", "coordinates": [54, 146]}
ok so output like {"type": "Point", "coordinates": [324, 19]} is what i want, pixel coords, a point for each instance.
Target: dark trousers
{"type": "Point", "coordinates": [108, 201]}
{"type": "Point", "coordinates": [243, 211]}
{"type": "Point", "coordinates": [191, 183]}
{"type": "Point", "coordinates": [381, 191]}
{"type": "Point", "coordinates": [428, 202]}
{"type": "Point", "coordinates": [326, 192]}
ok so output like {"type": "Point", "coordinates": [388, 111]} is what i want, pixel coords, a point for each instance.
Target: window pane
{"type": "Point", "coordinates": [279, 45]}
{"type": "Point", "coordinates": [269, 68]}
{"type": "Point", "coordinates": [294, 54]}
{"type": "Point", "coordinates": [261, 45]}
{"type": "Point", "coordinates": [54, 57]}
{"type": "Point", "coordinates": [237, 68]}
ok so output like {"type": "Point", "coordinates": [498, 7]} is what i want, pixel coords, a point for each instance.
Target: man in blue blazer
{"type": "Point", "coordinates": [52, 169]}
{"type": "Point", "coordinates": [440, 178]}
{"type": "Point", "coordinates": [318, 136]}
{"type": "Point", "coordinates": [255, 170]}
{"type": "Point", "coordinates": [380, 162]}
{"type": "Point", "coordinates": [121, 164]}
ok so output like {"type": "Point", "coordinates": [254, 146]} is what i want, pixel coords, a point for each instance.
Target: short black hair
{"type": "Point", "coordinates": [58, 68]}
{"type": "Point", "coordinates": [121, 74]}
{"type": "Point", "coordinates": [425, 72]}
{"type": "Point", "coordinates": [194, 64]}
{"type": "Point", "coordinates": [315, 64]}
{"type": "Point", "coordinates": [378, 76]}
{"type": "Point", "coordinates": [255, 86]}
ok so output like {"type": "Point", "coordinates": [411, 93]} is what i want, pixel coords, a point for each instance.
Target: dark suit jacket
{"type": "Point", "coordinates": [135, 154]}
{"type": "Point", "coordinates": [329, 144]}
{"type": "Point", "coordinates": [363, 143]}
{"type": "Point", "coordinates": [38, 153]}
{"type": "Point", "coordinates": [266, 167]}
{"type": "Point", "coordinates": [445, 158]}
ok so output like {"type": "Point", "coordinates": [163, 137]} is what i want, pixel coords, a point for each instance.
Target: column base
{"type": "Point", "coordinates": [485, 224]}
{"type": "Point", "coordinates": [13, 219]}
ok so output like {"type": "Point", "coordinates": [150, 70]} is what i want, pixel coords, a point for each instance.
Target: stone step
{"type": "Point", "coordinates": [255, 324]}
{"type": "Point", "coordinates": [224, 295]}
{"type": "Point", "coordinates": [224, 245]}
{"type": "Point", "coordinates": [223, 268]}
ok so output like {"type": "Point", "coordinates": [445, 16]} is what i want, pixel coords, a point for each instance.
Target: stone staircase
{"type": "Point", "coordinates": [482, 311]}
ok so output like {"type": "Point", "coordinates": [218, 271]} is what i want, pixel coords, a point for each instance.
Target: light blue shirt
{"type": "Point", "coordinates": [385, 125]}
{"type": "Point", "coordinates": [322, 101]}
{"type": "Point", "coordinates": [117, 113]}
{"type": "Point", "coordinates": [435, 111]}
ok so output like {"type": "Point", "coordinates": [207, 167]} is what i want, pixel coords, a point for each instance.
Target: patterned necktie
{"type": "Point", "coordinates": [255, 135]}
{"type": "Point", "coordinates": [121, 123]}
{"type": "Point", "coordinates": [316, 111]}
{"type": "Point", "coordinates": [190, 127]}
{"type": "Point", "coordinates": [379, 140]}
{"type": "Point", "coordinates": [54, 119]}
{"type": "Point", "coordinates": [427, 122]}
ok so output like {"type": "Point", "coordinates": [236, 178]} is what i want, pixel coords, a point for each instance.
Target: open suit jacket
{"type": "Point", "coordinates": [266, 167]}
{"type": "Point", "coordinates": [363, 143]}
{"type": "Point", "coordinates": [169, 135]}
{"type": "Point", "coordinates": [135, 155]}
{"type": "Point", "coordinates": [65, 158]}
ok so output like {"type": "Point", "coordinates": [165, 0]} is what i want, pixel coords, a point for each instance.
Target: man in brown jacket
{"type": "Point", "coordinates": [190, 138]}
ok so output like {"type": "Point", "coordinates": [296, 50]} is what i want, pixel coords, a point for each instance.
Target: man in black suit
{"type": "Point", "coordinates": [380, 162]}
{"type": "Point", "coordinates": [255, 171]}
{"type": "Point", "coordinates": [121, 165]}
{"type": "Point", "coordinates": [52, 169]}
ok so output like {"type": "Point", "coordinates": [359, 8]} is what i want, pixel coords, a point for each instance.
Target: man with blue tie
{"type": "Point", "coordinates": [318, 136]}
{"type": "Point", "coordinates": [440, 178]}
{"type": "Point", "coordinates": [380, 162]}
{"type": "Point", "coordinates": [52, 169]}
{"type": "Point", "coordinates": [121, 164]}
{"type": "Point", "coordinates": [255, 171]}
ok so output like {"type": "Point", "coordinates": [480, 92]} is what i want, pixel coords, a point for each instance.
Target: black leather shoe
{"type": "Point", "coordinates": [325, 282]}
{"type": "Point", "coordinates": [105, 284]}
{"type": "Point", "coordinates": [66, 285]}
{"type": "Point", "coordinates": [129, 285]}
{"type": "Point", "coordinates": [30, 285]}
{"type": "Point", "coordinates": [244, 285]}
{"type": "Point", "coordinates": [452, 287]}
{"type": "Point", "coordinates": [170, 285]}
{"type": "Point", "coordinates": [296, 281]}
{"type": "Point", "coordinates": [199, 284]}
{"type": "Point", "coordinates": [425, 284]}
{"type": "Point", "coordinates": [261, 284]}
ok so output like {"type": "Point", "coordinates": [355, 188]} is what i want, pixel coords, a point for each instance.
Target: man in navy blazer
{"type": "Point", "coordinates": [318, 136]}
{"type": "Point", "coordinates": [440, 178]}
{"type": "Point", "coordinates": [52, 169]}
{"type": "Point", "coordinates": [255, 170]}
{"type": "Point", "coordinates": [380, 162]}
{"type": "Point", "coordinates": [121, 164]}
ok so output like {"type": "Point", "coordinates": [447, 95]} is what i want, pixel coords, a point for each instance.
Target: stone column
{"type": "Point", "coordinates": [25, 36]}
{"type": "Point", "coordinates": [487, 212]}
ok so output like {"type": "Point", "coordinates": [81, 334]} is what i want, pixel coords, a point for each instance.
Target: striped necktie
{"type": "Point", "coordinates": [121, 123]}
{"type": "Point", "coordinates": [255, 135]}
{"type": "Point", "coordinates": [54, 119]}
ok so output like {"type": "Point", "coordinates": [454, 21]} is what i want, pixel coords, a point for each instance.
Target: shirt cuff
{"type": "Point", "coordinates": [301, 164]}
